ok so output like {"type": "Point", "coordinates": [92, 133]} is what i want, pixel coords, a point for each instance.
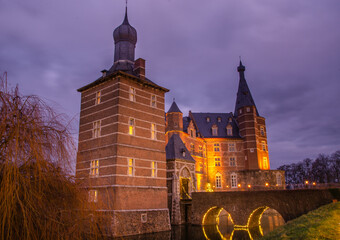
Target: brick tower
{"type": "Point", "coordinates": [252, 126]}
{"type": "Point", "coordinates": [121, 159]}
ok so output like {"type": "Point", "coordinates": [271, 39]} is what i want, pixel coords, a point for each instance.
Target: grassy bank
{"type": "Point", "coordinates": [322, 223]}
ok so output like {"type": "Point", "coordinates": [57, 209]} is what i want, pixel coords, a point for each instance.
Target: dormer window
{"type": "Point", "coordinates": [219, 119]}
{"type": "Point", "coordinates": [208, 119]}
{"type": "Point", "coordinates": [183, 152]}
{"type": "Point", "coordinates": [229, 130]}
{"type": "Point", "coordinates": [214, 130]}
{"type": "Point", "coordinates": [230, 120]}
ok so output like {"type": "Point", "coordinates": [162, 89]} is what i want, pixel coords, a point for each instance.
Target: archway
{"type": "Point", "coordinates": [217, 223]}
{"type": "Point", "coordinates": [263, 220]}
{"type": "Point", "coordinates": [185, 183]}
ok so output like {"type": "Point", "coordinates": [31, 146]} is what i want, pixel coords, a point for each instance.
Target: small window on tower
{"type": "Point", "coordinates": [264, 146]}
{"type": "Point", "coordinates": [265, 163]}
{"type": "Point", "coordinates": [131, 126]}
{"type": "Point", "coordinates": [93, 196]}
{"type": "Point", "coordinates": [131, 166]}
{"type": "Point", "coordinates": [219, 119]}
{"type": "Point", "coordinates": [94, 168]}
{"type": "Point", "coordinates": [200, 151]}
{"type": "Point", "coordinates": [98, 97]}
{"type": "Point", "coordinates": [153, 169]}
{"type": "Point", "coordinates": [208, 119]}
{"type": "Point", "coordinates": [153, 131]}
{"type": "Point", "coordinates": [248, 109]}
{"type": "Point", "coordinates": [262, 131]}
{"type": "Point", "coordinates": [153, 100]}
{"type": "Point", "coordinates": [240, 111]}
{"type": "Point", "coordinates": [96, 129]}
{"type": "Point", "coordinates": [132, 94]}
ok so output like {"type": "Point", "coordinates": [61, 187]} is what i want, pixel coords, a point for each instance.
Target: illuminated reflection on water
{"type": "Point", "coordinates": [224, 230]}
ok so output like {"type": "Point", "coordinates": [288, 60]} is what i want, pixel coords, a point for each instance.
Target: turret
{"type": "Point", "coordinates": [174, 119]}
{"type": "Point", "coordinates": [251, 126]}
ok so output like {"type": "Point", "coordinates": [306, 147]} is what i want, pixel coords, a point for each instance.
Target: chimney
{"type": "Point", "coordinates": [139, 68]}
{"type": "Point", "coordinates": [104, 72]}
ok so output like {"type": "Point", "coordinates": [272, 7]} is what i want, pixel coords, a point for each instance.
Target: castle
{"type": "Point", "coordinates": [139, 168]}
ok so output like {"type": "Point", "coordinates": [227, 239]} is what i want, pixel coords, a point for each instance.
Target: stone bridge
{"type": "Point", "coordinates": [246, 208]}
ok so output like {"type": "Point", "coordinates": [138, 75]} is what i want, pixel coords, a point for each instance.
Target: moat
{"type": "Point", "coordinates": [225, 229]}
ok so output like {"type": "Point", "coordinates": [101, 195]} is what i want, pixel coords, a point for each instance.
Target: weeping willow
{"type": "Point", "coordinates": [39, 198]}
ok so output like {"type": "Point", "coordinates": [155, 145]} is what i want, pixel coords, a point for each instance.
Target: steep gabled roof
{"type": "Point", "coordinates": [204, 127]}
{"type": "Point", "coordinates": [175, 148]}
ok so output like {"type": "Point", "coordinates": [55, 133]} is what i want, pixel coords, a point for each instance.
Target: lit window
{"type": "Point", "coordinates": [229, 131]}
{"type": "Point", "coordinates": [153, 169]}
{"type": "Point", "coordinates": [96, 129]}
{"type": "Point", "coordinates": [204, 152]}
{"type": "Point", "coordinates": [240, 111]}
{"type": "Point", "coordinates": [230, 120]}
{"type": "Point", "coordinates": [192, 148]}
{"type": "Point", "coordinates": [191, 133]}
{"type": "Point", "coordinates": [183, 152]}
{"type": "Point", "coordinates": [217, 161]}
{"type": "Point", "coordinates": [200, 151]}
{"type": "Point", "coordinates": [264, 146]}
{"type": "Point", "coordinates": [233, 180]}
{"type": "Point", "coordinates": [131, 166]}
{"type": "Point", "coordinates": [94, 168]}
{"type": "Point", "coordinates": [98, 97]}
{"type": "Point", "coordinates": [153, 100]}
{"type": "Point", "coordinates": [278, 179]}
{"type": "Point", "coordinates": [232, 161]}
{"type": "Point", "coordinates": [132, 94]}
{"type": "Point", "coordinates": [153, 131]}
{"type": "Point", "coordinates": [208, 119]}
{"type": "Point", "coordinates": [93, 196]}
{"type": "Point", "coordinates": [131, 126]}
{"type": "Point", "coordinates": [265, 162]}
{"type": "Point", "coordinates": [214, 130]}
{"type": "Point", "coordinates": [262, 131]}
{"type": "Point", "coordinates": [216, 147]}
{"type": "Point", "coordinates": [218, 180]}
{"type": "Point", "coordinates": [219, 119]}
{"type": "Point", "coordinates": [231, 147]}
{"type": "Point", "coordinates": [248, 109]}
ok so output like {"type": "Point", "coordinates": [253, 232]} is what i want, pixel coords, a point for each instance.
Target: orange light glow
{"type": "Point", "coordinates": [249, 186]}
{"type": "Point", "coordinates": [267, 184]}
{"type": "Point", "coordinates": [227, 186]}
{"type": "Point", "coordinates": [314, 183]}
{"type": "Point", "coordinates": [306, 182]}
{"type": "Point", "coordinates": [239, 185]}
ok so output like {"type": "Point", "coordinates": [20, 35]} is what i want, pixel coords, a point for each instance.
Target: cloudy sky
{"type": "Point", "coordinates": [291, 50]}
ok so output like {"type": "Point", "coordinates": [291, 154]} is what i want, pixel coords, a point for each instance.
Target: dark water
{"type": "Point", "coordinates": [225, 229]}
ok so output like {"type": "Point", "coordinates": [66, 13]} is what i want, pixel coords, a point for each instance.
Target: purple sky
{"type": "Point", "coordinates": [291, 50]}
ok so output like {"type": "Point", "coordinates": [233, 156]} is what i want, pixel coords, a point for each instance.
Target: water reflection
{"type": "Point", "coordinates": [264, 220]}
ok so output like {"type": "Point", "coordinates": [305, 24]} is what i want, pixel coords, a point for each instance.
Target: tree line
{"type": "Point", "coordinates": [323, 169]}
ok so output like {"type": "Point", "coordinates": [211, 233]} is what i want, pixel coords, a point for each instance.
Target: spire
{"type": "Point", "coordinates": [174, 108]}
{"type": "Point", "coordinates": [244, 97]}
{"type": "Point", "coordinates": [126, 20]}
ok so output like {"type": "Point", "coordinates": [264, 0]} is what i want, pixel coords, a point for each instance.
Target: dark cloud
{"type": "Point", "coordinates": [290, 49]}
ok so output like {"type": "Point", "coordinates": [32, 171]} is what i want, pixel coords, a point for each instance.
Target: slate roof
{"type": "Point", "coordinates": [244, 97]}
{"type": "Point", "coordinates": [174, 108]}
{"type": "Point", "coordinates": [204, 127]}
{"type": "Point", "coordinates": [186, 122]}
{"type": "Point", "coordinates": [175, 147]}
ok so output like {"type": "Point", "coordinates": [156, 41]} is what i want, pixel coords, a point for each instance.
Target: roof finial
{"type": "Point", "coordinates": [126, 21]}
{"type": "Point", "coordinates": [240, 61]}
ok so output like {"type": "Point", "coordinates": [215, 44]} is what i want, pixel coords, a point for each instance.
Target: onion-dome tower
{"type": "Point", "coordinates": [125, 39]}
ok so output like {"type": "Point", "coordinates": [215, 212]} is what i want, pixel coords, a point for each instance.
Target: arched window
{"type": "Point", "coordinates": [233, 179]}
{"type": "Point", "coordinates": [218, 180]}
{"type": "Point", "coordinates": [229, 130]}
